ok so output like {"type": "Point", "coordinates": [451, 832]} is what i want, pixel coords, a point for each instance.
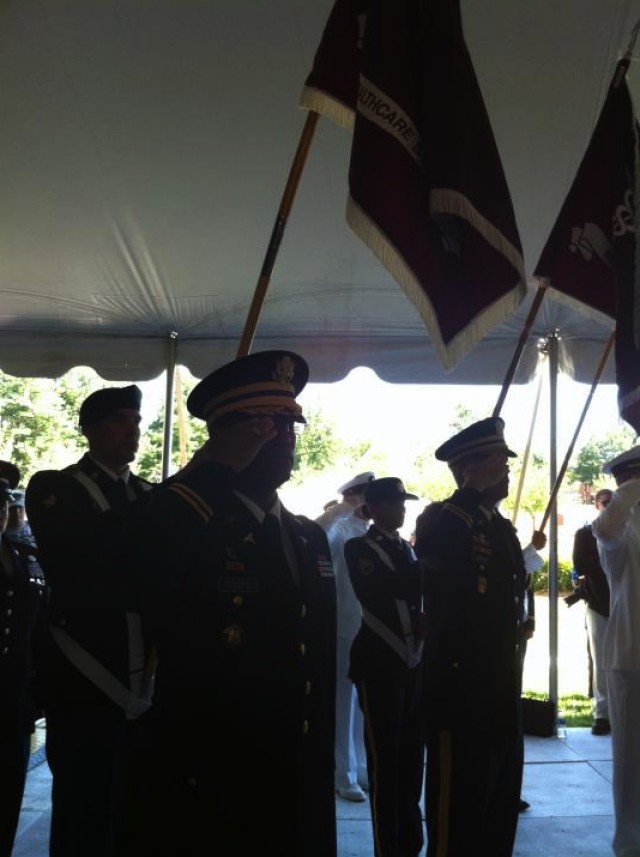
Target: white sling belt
{"type": "Point", "coordinates": [135, 700]}
{"type": "Point", "coordinates": [405, 648]}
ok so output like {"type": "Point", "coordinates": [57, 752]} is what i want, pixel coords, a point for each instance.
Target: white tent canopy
{"type": "Point", "coordinates": [144, 148]}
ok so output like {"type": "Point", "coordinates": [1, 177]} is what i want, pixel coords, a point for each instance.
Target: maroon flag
{"type": "Point", "coordinates": [428, 193]}
{"type": "Point", "coordinates": [332, 86]}
{"type": "Point", "coordinates": [590, 257]}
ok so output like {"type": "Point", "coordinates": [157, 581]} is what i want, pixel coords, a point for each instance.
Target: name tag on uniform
{"type": "Point", "coordinates": [235, 585]}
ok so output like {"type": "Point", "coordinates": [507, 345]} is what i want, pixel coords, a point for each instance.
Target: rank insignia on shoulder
{"type": "Point", "coordinates": [50, 501]}
{"type": "Point", "coordinates": [365, 566]}
{"type": "Point", "coordinates": [325, 567]}
{"type": "Point", "coordinates": [233, 636]}
{"type": "Point", "coordinates": [482, 585]}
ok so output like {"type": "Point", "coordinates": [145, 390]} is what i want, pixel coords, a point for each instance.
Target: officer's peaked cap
{"type": "Point", "coordinates": [359, 481]}
{"type": "Point", "coordinates": [386, 490]}
{"type": "Point", "coordinates": [482, 438]}
{"type": "Point", "coordinates": [265, 382]}
{"type": "Point", "coordinates": [102, 403]}
{"type": "Point", "coordinates": [629, 460]}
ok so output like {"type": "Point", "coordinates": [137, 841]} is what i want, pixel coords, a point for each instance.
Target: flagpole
{"type": "Point", "coordinates": [524, 335]}
{"type": "Point", "coordinates": [632, 42]}
{"type": "Point", "coordinates": [567, 458]}
{"type": "Point", "coordinates": [527, 451]}
{"type": "Point", "coordinates": [286, 203]}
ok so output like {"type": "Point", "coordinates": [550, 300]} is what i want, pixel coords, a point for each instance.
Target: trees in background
{"type": "Point", "coordinates": [38, 430]}
{"type": "Point", "coordinates": [39, 420]}
{"type": "Point", "coordinates": [587, 467]}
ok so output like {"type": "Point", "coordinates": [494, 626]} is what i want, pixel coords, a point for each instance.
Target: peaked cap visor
{"type": "Point", "coordinates": [482, 438]}
{"type": "Point", "coordinates": [266, 382]}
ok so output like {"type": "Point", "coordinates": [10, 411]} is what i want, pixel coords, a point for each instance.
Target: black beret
{"type": "Point", "coordinates": [100, 404]}
{"type": "Point", "coordinates": [481, 438]}
{"type": "Point", "coordinates": [9, 474]}
{"type": "Point", "coordinates": [386, 490]}
{"type": "Point", "coordinates": [267, 381]}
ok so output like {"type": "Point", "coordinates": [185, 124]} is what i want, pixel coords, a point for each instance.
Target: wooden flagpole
{"type": "Point", "coordinates": [567, 458]}
{"type": "Point", "coordinates": [524, 335]}
{"type": "Point", "coordinates": [527, 451]}
{"type": "Point", "coordinates": [286, 203]}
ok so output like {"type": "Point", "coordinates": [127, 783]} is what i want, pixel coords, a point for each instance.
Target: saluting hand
{"type": "Point", "coordinates": [486, 472]}
{"type": "Point", "coordinates": [237, 445]}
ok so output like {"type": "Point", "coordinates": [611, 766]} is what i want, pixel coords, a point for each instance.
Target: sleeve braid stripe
{"type": "Point", "coordinates": [456, 510]}
{"type": "Point", "coordinates": [194, 500]}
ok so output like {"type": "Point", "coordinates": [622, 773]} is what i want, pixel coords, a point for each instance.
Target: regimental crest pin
{"type": "Point", "coordinates": [233, 636]}
{"type": "Point", "coordinates": [284, 371]}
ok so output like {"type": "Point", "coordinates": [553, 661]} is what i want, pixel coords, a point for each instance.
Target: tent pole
{"type": "Point", "coordinates": [524, 335]}
{"type": "Point", "coordinates": [286, 203]}
{"type": "Point", "coordinates": [168, 404]}
{"type": "Point", "coordinates": [552, 345]}
{"type": "Point", "coordinates": [567, 458]}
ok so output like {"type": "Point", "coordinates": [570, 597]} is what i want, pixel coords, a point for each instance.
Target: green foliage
{"type": "Point", "coordinates": [431, 479]}
{"type": "Point", "coordinates": [149, 460]}
{"type": "Point", "coordinates": [541, 578]}
{"type": "Point", "coordinates": [38, 420]}
{"type": "Point", "coordinates": [535, 491]}
{"type": "Point", "coordinates": [317, 446]}
{"type": "Point", "coordinates": [464, 417]}
{"type": "Point", "coordinates": [577, 709]}
{"type": "Point", "coordinates": [587, 466]}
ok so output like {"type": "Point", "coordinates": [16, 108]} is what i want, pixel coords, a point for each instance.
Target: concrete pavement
{"type": "Point", "coordinates": [566, 781]}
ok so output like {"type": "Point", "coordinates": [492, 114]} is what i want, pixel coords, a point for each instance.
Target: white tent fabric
{"type": "Point", "coordinates": [144, 147]}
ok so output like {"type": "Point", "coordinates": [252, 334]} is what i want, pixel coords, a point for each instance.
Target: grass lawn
{"type": "Point", "coordinates": [576, 707]}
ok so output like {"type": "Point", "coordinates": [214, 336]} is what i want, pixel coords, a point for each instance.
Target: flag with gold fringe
{"type": "Point", "coordinates": [427, 191]}
{"type": "Point", "coordinates": [590, 258]}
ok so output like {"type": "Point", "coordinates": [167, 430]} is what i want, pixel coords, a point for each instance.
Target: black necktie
{"type": "Point", "coordinates": [273, 537]}
{"type": "Point", "coordinates": [272, 532]}
{"type": "Point", "coordinates": [120, 492]}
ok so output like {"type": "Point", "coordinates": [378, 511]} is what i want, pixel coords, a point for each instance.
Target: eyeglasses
{"type": "Point", "coordinates": [281, 422]}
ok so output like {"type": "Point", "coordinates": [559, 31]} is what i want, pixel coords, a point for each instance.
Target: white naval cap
{"type": "Point", "coordinates": [626, 460]}
{"type": "Point", "coordinates": [358, 481]}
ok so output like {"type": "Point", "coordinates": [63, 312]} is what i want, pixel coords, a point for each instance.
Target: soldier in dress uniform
{"type": "Point", "coordinates": [385, 667]}
{"type": "Point", "coordinates": [474, 583]}
{"type": "Point", "coordinates": [237, 752]}
{"type": "Point", "coordinates": [342, 522]}
{"type": "Point", "coordinates": [95, 662]}
{"type": "Point", "coordinates": [22, 601]}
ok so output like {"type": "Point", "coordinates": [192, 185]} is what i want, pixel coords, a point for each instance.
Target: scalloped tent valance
{"type": "Point", "coordinates": [144, 149]}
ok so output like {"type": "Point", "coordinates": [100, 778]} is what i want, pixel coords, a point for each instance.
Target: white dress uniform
{"type": "Point", "coordinates": [617, 530]}
{"type": "Point", "coordinates": [351, 758]}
